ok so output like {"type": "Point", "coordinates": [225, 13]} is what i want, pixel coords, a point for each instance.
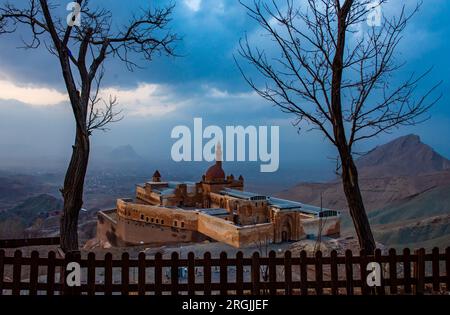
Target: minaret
{"type": "Point", "coordinates": [219, 157]}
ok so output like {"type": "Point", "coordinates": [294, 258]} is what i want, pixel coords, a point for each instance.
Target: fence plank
{"type": "Point", "coordinates": [91, 279]}
{"type": "Point", "coordinates": [108, 274]}
{"type": "Point", "coordinates": [174, 273]}
{"type": "Point", "coordinates": [17, 272]}
{"type": "Point", "coordinates": [363, 271]}
{"type": "Point", "coordinates": [51, 273]}
{"type": "Point", "coordinates": [419, 272]}
{"type": "Point", "coordinates": [125, 273]}
{"type": "Point", "coordinates": [158, 273]}
{"type": "Point", "coordinates": [393, 271]}
{"type": "Point", "coordinates": [223, 273]}
{"type": "Point", "coordinates": [288, 272]}
{"type": "Point", "coordinates": [34, 272]}
{"type": "Point", "coordinates": [191, 273]}
{"type": "Point", "coordinates": [380, 290]}
{"type": "Point", "coordinates": [447, 268]}
{"type": "Point", "coordinates": [2, 269]}
{"type": "Point", "coordinates": [319, 273]}
{"type": "Point", "coordinates": [76, 290]}
{"type": "Point", "coordinates": [272, 273]}
{"type": "Point", "coordinates": [239, 273]}
{"type": "Point", "coordinates": [141, 273]}
{"type": "Point", "coordinates": [255, 274]}
{"type": "Point", "coordinates": [334, 273]}
{"type": "Point", "coordinates": [303, 273]}
{"type": "Point", "coordinates": [349, 272]}
{"type": "Point", "coordinates": [207, 273]}
{"type": "Point", "coordinates": [435, 269]}
{"type": "Point", "coordinates": [407, 270]}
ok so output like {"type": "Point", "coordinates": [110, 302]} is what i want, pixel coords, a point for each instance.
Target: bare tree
{"type": "Point", "coordinates": [81, 49]}
{"type": "Point", "coordinates": [335, 74]}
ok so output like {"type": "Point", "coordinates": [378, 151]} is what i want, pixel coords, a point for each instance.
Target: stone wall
{"type": "Point", "coordinates": [237, 236]}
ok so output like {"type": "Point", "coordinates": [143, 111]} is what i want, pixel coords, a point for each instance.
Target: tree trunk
{"type": "Point", "coordinates": [73, 191]}
{"type": "Point", "coordinates": [355, 202]}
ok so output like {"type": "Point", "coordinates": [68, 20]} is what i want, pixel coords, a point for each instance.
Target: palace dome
{"type": "Point", "coordinates": [215, 172]}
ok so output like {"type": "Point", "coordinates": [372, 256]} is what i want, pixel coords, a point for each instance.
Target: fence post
{"type": "Point", "coordinates": [255, 274]}
{"type": "Point", "coordinates": [288, 272]}
{"type": "Point", "coordinates": [108, 274]}
{"type": "Point", "coordinates": [66, 290]}
{"type": "Point", "coordinates": [407, 270]}
{"type": "Point", "coordinates": [349, 272]}
{"type": "Point", "coordinates": [334, 273]}
{"type": "Point", "coordinates": [125, 274]}
{"type": "Point", "coordinates": [17, 272]}
{"type": "Point", "coordinates": [141, 273]}
{"type": "Point", "coordinates": [303, 273]}
{"type": "Point", "coordinates": [191, 273]}
{"type": "Point", "coordinates": [435, 269]}
{"type": "Point", "coordinates": [77, 258]}
{"type": "Point", "coordinates": [392, 271]}
{"type": "Point", "coordinates": [380, 290]}
{"type": "Point", "coordinates": [174, 273]}
{"type": "Point", "coordinates": [239, 273]}
{"type": "Point", "coordinates": [419, 271]}
{"type": "Point", "coordinates": [447, 268]}
{"type": "Point", "coordinates": [2, 269]}
{"type": "Point", "coordinates": [223, 273]}
{"type": "Point", "coordinates": [51, 273]}
{"type": "Point", "coordinates": [363, 271]}
{"type": "Point", "coordinates": [272, 273]}
{"type": "Point", "coordinates": [158, 273]}
{"type": "Point", "coordinates": [319, 273]}
{"type": "Point", "coordinates": [91, 273]}
{"type": "Point", "coordinates": [34, 272]}
{"type": "Point", "coordinates": [207, 273]}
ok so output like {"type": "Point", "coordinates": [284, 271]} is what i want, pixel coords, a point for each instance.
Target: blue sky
{"type": "Point", "coordinates": [204, 82]}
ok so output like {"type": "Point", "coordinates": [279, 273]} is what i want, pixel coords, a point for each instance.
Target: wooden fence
{"type": "Point", "coordinates": [405, 273]}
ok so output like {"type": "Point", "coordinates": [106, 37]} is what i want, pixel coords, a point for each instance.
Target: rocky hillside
{"type": "Point", "coordinates": [405, 156]}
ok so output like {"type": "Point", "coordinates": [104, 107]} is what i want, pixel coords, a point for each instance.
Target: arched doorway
{"type": "Point", "coordinates": [286, 231]}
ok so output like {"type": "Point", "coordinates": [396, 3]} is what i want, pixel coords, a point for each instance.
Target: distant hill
{"type": "Point", "coordinates": [391, 172]}
{"type": "Point", "coordinates": [31, 208]}
{"type": "Point", "coordinates": [405, 156]}
{"type": "Point", "coordinates": [15, 221]}
{"type": "Point", "coordinates": [123, 153]}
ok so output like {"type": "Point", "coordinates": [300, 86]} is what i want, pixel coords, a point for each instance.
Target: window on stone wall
{"type": "Point", "coordinates": [157, 221]}
{"type": "Point", "coordinates": [175, 223]}
{"type": "Point", "coordinates": [152, 220]}
{"type": "Point", "coordinates": [162, 221]}
{"type": "Point", "coordinates": [182, 224]}
{"type": "Point", "coordinates": [142, 217]}
{"type": "Point", "coordinates": [146, 219]}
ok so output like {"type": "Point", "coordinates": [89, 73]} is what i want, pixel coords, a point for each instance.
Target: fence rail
{"type": "Point", "coordinates": [404, 273]}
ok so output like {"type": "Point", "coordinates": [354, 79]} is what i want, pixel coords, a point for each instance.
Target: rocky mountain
{"type": "Point", "coordinates": [405, 156]}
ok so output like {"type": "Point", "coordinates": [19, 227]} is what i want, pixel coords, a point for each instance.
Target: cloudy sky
{"type": "Point", "coordinates": [204, 82]}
